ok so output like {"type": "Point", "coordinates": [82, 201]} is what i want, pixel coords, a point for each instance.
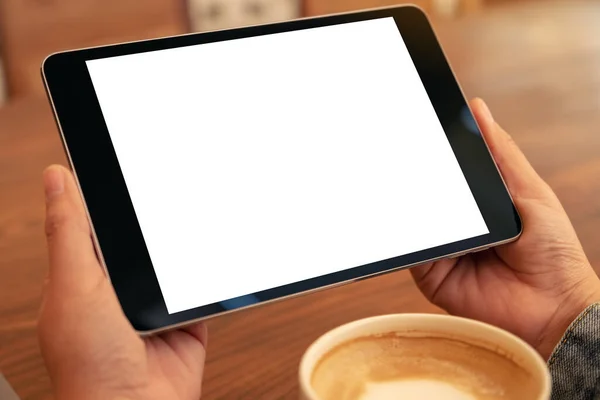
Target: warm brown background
{"type": "Point", "coordinates": [535, 62]}
{"type": "Point", "coordinates": [32, 29]}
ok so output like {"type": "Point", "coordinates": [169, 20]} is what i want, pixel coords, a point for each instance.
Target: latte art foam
{"type": "Point", "coordinates": [406, 367]}
{"type": "Point", "coordinates": [414, 389]}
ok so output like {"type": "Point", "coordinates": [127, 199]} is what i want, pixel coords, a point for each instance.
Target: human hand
{"type": "Point", "coordinates": [534, 287]}
{"type": "Point", "coordinates": [90, 349]}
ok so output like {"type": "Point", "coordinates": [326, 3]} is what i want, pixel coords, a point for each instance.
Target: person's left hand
{"type": "Point", "coordinates": [90, 349]}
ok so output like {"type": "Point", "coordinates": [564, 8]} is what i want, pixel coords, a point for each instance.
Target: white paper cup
{"type": "Point", "coordinates": [463, 329]}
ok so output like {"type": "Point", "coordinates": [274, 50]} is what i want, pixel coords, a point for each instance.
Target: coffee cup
{"type": "Point", "coordinates": [422, 356]}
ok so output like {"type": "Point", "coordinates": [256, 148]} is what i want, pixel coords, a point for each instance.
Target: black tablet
{"type": "Point", "coordinates": [227, 169]}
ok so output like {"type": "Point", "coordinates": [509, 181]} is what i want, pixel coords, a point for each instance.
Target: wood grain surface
{"type": "Point", "coordinates": [537, 66]}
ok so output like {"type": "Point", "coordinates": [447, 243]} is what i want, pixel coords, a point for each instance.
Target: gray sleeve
{"type": "Point", "coordinates": [575, 363]}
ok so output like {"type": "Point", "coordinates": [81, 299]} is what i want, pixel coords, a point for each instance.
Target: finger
{"type": "Point", "coordinates": [520, 177]}
{"type": "Point", "coordinates": [429, 276]}
{"type": "Point", "coordinates": [73, 264]}
{"type": "Point", "coordinates": [198, 331]}
{"type": "Point", "coordinates": [189, 344]}
{"type": "Point", "coordinates": [421, 271]}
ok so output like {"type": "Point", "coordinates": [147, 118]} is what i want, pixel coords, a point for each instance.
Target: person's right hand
{"type": "Point", "coordinates": [534, 287]}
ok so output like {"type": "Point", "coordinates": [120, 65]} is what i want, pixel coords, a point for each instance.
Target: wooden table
{"type": "Point", "coordinates": [537, 65]}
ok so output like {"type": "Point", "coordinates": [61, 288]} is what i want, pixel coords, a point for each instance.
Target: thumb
{"type": "Point", "coordinates": [74, 267]}
{"type": "Point", "coordinates": [522, 180]}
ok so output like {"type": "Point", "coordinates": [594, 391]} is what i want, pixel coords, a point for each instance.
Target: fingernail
{"type": "Point", "coordinates": [54, 182]}
{"type": "Point", "coordinates": [485, 111]}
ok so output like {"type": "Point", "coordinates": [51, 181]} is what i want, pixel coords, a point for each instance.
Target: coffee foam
{"type": "Point", "coordinates": [416, 366]}
{"type": "Point", "coordinates": [413, 389]}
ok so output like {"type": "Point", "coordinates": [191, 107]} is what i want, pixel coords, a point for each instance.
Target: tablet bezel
{"type": "Point", "coordinates": [117, 234]}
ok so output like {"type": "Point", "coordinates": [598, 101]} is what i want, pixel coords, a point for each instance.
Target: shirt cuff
{"type": "Point", "coordinates": [574, 364]}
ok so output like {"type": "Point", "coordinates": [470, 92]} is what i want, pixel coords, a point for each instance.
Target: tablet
{"type": "Point", "coordinates": [227, 169]}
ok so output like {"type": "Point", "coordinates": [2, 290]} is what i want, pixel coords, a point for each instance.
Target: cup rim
{"type": "Point", "coordinates": [305, 369]}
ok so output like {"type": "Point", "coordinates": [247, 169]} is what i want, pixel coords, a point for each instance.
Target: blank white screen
{"type": "Point", "coordinates": [260, 162]}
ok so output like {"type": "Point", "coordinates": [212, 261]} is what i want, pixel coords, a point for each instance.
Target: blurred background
{"type": "Point", "coordinates": [32, 29]}
{"type": "Point", "coordinates": [536, 63]}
